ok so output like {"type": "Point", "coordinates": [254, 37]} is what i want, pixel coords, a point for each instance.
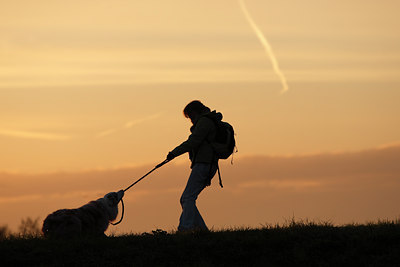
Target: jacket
{"type": "Point", "coordinates": [198, 144]}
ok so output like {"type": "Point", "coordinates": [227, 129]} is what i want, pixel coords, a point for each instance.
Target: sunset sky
{"type": "Point", "coordinates": [92, 92]}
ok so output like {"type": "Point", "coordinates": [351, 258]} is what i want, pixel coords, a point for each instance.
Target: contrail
{"type": "Point", "coordinates": [266, 45]}
{"type": "Point", "coordinates": [34, 135]}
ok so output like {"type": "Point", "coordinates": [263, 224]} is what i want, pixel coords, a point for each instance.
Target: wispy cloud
{"type": "Point", "coordinates": [132, 123]}
{"type": "Point", "coordinates": [23, 198]}
{"type": "Point", "coordinates": [106, 133]}
{"type": "Point", "coordinates": [19, 199]}
{"type": "Point", "coordinates": [129, 125]}
{"type": "Point", "coordinates": [290, 184]}
{"type": "Point", "coordinates": [34, 135]}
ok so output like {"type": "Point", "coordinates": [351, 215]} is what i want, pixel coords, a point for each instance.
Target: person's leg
{"type": "Point", "coordinates": [191, 218]}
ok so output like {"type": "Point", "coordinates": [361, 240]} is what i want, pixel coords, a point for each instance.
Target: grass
{"type": "Point", "coordinates": [293, 244]}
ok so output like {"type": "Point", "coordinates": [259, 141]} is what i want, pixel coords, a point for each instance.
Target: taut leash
{"type": "Point", "coordinates": [156, 167]}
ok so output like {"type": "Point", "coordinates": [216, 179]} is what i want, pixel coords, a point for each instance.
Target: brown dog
{"type": "Point", "coordinates": [91, 219]}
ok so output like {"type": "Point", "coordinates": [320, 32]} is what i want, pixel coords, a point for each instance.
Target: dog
{"type": "Point", "coordinates": [91, 219]}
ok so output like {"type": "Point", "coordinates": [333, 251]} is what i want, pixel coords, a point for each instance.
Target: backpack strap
{"type": "Point", "coordinates": [219, 176]}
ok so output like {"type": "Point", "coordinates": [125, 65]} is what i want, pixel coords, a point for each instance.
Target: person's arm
{"type": "Point", "coordinates": [200, 132]}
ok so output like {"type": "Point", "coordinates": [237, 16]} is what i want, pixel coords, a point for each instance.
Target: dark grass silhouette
{"type": "Point", "coordinates": [297, 243]}
{"type": "Point", "coordinates": [28, 228]}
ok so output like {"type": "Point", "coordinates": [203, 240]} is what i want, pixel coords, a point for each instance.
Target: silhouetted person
{"type": "Point", "coordinates": [204, 162]}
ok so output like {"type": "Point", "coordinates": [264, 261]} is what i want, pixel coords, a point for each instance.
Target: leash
{"type": "Point", "coordinates": [122, 214]}
{"type": "Point", "coordinates": [156, 167]}
{"type": "Point", "coordinates": [141, 178]}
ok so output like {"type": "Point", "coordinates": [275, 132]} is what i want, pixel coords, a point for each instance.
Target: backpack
{"type": "Point", "coordinates": [225, 142]}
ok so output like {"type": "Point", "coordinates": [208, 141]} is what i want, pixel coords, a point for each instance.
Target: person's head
{"type": "Point", "coordinates": [194, 109]}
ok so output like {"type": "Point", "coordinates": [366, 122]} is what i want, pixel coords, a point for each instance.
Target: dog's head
{"type": "Point", "coordinates": [111, 201]}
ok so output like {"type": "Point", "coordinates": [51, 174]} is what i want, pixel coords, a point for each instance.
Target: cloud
{"type": "Point", "coordinates": [297, 185]}
{"type": "Point", "coordinates": [62, 137]}
{"type": "Point", "coordinates": [132, 123]}
{"type": "Point", "coordinates": [22, 198]}
{"type": "Point", "coordinates": [46, 196]}
{"type": "Point", "coordinates": [129, 125]}
{"type": "Point", "coordinates": [343, 187]}
{"type": "Point", "coordinates": [34, 135]}
{"type": "Point", "coordinates": [301, 171]}
{"type": "Point", "coordinates": [106, 133]}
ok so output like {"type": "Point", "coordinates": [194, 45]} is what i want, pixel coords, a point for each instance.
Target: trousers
{"type": "Point", "coordinates": [199, 178]}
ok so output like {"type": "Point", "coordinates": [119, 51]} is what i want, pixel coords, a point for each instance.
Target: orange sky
{"type": "Point", "coordinates": [92, 88]}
